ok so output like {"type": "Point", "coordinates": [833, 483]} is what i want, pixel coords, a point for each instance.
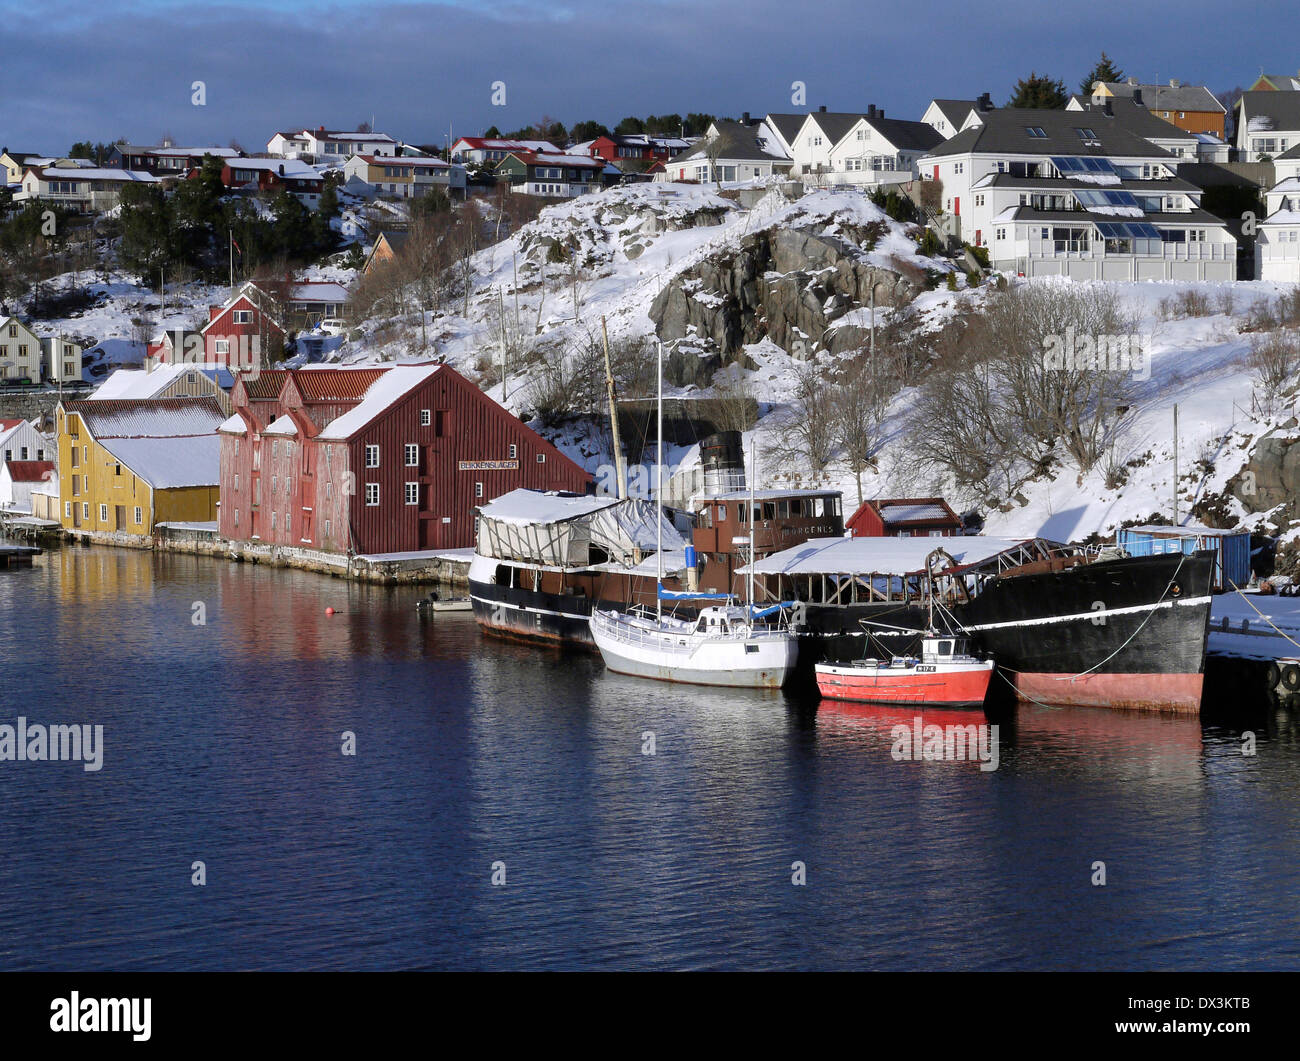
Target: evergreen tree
{"type": "Point", "coordinates": [629, 125]}
{"type": "Point", "coordinates": [1105, 70]}
{"type": "Point", "coordinates": [1039, 91]}
{"type": "Point", "coordinates": [588, 130]}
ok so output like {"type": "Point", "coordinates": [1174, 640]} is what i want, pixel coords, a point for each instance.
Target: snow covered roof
{"type": "Point", "coordinates": [534, 506]}
{"type": "Point", "coordinates": [139, 383]}
{"type": "Point", "coordinates": [234, 425]}
{"type": "Point", "coordinates": [190, 460]}
{"type": "Point", "coordinates": [318, 291]}
{"type": "Point", "coordinates": [285, 167]}
{"type": "Point", "coordinates": [877, 556]}
{"type": "Point", "coordinates": [147, 417]}
{"type": "Point", "coordinates": [905, 513]}
{"type": "Point", "coordinates": [381, 395]}
{"type": "Point", "coordinates": [283, 425]}
{"type": "Point", "coordinates": [86, 173]}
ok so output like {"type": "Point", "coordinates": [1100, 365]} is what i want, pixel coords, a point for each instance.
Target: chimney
{"type": "Point", "coordinates": [985, 102]}
{"type": "Point", "coordinates": [871, 110]}
{"type": "Point", "coordinates": [821, 110]}
{"type": "Point", "coordinates": [880, 113]}
{"type": "Point", "coordinates": [744, 118]}
{"type": "Point", "coordinates": [1132, 80]}
{"type": "Point", "coordinates": [1175, 83]}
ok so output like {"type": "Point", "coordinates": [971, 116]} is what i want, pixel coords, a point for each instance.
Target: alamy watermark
{"type": "Point", "coordinates": [973, 742]}
{"type": "Point", "coordinates": [1074, 352]}
{"type": "Point", "coordinates": [243, 353]}
{"type": "Point", "coordinates": [38, 743]}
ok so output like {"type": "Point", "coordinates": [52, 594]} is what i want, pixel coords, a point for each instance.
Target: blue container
{"type": "Point", "coordinates": [690, 556]}
{"type": "Point", "coordinates": [1231, 548]}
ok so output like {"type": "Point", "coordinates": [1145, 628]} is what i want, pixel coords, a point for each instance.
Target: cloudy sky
{"type": "Point", "coordinates": [124, 68]}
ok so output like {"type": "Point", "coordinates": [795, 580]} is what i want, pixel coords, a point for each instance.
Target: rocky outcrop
{"type": "Point", "coordinates": [1272, 476]}
{"type": "Point", "coordinates": [787, 285]}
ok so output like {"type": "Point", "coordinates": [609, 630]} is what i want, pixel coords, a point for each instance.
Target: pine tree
{"type": "Point", "coordinates": [1039, 91]}
{"type": "Point", "coordinates": [1105, 70]}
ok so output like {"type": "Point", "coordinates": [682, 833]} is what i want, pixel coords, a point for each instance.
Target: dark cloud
{"type": "Point", "coordinates": [100, 71]}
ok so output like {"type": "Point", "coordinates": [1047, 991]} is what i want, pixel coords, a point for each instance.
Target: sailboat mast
{"type": "Point", "coordinates": [753, 474]}
{"type": "Point", "coordinates": [659, 488]}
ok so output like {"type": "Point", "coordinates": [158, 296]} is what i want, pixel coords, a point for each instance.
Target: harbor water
{"type": "Point", "coordinates": [510, 808]}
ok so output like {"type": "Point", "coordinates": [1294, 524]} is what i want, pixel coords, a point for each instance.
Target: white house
{"type": "Point", "coordinates": [947, 117]}
{"type": "Point", "coordinates": [1078, 194]}
{"type": "Point", "coordinates": [20, 441]}
{"type": "Point", "coordinates": [84, 189]}
{"type": "Point", "coordinates": [405, 178]}
{"type": "Point", "coordinates": [62, 359]}
{"type": "Point", "coordinates": [20, 351]}
{"type": "Point", "coordinates": [329, 145]}
{"type": "Point", "coordinates": [19, 479]}
{"type": "Point", "coordinates": [1267, 124]}
{"type": "Point", "coordinates": [1277, 241]}
{"type": "Point", "coordinates": [860, 149]}
{"type": "Point", "coordinates": [490, 150]}
{"type": "Point", "coordinates": [730, 151]}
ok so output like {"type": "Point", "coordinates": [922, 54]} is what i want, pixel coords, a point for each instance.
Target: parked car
{"type": "Point", "coordinates": [333, 326]}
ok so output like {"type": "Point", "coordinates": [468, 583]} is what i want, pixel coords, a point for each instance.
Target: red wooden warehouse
{"type": "Point", "coordinates": [904, 517]}
{"type": "Point", "coordinates": [374, 460]}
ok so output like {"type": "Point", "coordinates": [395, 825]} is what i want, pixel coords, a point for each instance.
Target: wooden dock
{"type": "Point", "coordinates": [17, 555]}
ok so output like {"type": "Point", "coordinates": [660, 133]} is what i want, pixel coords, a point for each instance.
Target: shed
{"type": "Point", "coordinates": [904, 517]}
{"type": "Point", "coordinates": [1231, 548]}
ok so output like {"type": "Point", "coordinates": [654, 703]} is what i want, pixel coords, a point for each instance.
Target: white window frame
{"type": "Point", "coordinates": [372, 491]}
{"type": "Point", "coordinates": [412, 493]}
{"type": "Point", "coordinates": [412, 455]}
{"type": "Point", "coordinates": [372, 456]}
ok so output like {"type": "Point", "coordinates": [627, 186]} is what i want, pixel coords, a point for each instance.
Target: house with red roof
{"type": "Point", "coordinates": [373, 460]}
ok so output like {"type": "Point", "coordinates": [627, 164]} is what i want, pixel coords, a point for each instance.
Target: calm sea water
{"type": "Point", "coordinates": [222, 744]}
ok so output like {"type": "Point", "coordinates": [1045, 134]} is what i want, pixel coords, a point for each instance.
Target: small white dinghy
{"type": "Point", "coordinates": [725, 645]}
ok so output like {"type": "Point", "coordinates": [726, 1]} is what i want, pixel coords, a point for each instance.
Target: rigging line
{"type": "Point", "coordinates": [1260, 613]}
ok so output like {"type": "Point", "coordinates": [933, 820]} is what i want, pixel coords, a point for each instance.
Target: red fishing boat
{"type": "Point", "coordinates": [945, 674]}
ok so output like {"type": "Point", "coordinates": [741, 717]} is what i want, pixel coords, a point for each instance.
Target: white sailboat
{"type": "Point", "coordinates": [726, 644]}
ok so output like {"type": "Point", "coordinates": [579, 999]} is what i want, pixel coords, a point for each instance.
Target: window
{"type": "Point", "coordinates": [514, 451]}
{"type": "Point", "coordinates": [103, 513]}
{"type": "Point", "coordinates": [1035, 132]}
{"type": "Point", "coordinates": [412, 455]}
{"type": "Point", "coordinates": [242, 316]}
{"type": "Point", "coordinates": [425, 416]}
{"type": "Point", "coordinates": [67, 510]}
{"type": "Point", "coordinates": [139, 515]}
{"type": "Point", "coordinates": [478, 489]}
{"type": "Point", "coordinates": [372, 494]}
{"type": "Point", "coordinates": [541, 458]}
{"type": "Point", "coordinates": [327, 528]}
{"type": "Point", "coordinates": [85, 510]}
{"type": "Point", "coordinates": [221, 346]}
{"type": "Point", "coordinates": [76, 486]}
{"type": "Point", "coordinates": [273, 520]}
{"type": "Point", "coordinates": [372, 456]}
{"type": "Point", "coordinates": [1085, 134]}
{"type": "Point", "coordinates": [23, 451]}
{"type": "Point", "coordinates": [412, 493]}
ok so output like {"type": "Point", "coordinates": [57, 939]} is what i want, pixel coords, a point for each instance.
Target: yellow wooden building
{"type": "Point", "coordinates": [126, 465]}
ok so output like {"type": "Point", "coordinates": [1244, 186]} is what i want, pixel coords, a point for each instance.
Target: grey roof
{"type": "Point", "coordinates": [738, 142]}
{"type": "Point", "coordinates": [786, 125]}
{"type": "Point", "coordinates": [1282, 107]}
{"type": "Point", "coordinates": [836, 124]}
{"type": "Point", "coordinates": [955, 110]}
{"type": "Point", "coordinates": [1137, 118]}
{"type": "Point", "coordinates": [1168, 97]}
{"type": "Point", "coordinates": [906, 135]}
{"type": "Point", "coordinates": [1292, 153]}
{"type": "Point", "coordinates": [1003, 131]}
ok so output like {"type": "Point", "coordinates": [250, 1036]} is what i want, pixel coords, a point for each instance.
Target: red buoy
{"type": "Point", "coordinates": [329, 611]}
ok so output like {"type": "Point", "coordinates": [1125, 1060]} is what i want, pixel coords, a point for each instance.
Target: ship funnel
{"type": "Point", "coordinates": [724, 463]}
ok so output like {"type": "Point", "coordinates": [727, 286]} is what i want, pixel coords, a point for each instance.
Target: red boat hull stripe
{"type": "Point", "coordinates": [1180, 693]}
